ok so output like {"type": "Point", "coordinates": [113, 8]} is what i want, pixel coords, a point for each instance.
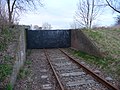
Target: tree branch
{"type": "Point", "coordinates": [112, 7]}
{"type": "Point", "coordinates": [13, 6]}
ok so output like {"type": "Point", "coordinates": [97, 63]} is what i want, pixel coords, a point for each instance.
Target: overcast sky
{"type": "Point", "coordinates": [59, 13]}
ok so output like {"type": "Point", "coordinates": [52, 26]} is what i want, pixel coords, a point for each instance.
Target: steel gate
{"type": "Point", "coordinates": [48, 39]}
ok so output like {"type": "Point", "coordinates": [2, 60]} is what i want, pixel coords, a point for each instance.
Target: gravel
{"type": "Point", "coordinates": [72, 79]}
{"type": "Point", "coordinates": [41, 76]}
{"type": "Point", "coordinates": [93, 67]}
{"type": "Point", "coordinates": [69, 73]}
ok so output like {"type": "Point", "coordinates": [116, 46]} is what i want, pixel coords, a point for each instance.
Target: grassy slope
{"type": "Point", "coordinates": [7, 54]}
{"type": "Point", "coordinates": [109, 42]}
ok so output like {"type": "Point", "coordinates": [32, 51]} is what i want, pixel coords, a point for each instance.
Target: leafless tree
{"type": "Point", "coordinates": [36, 27]}
{"type": "Point", "coordinates": [46, 26]}
{"type": "Point", "coordinates": [87, 12]}
{"type": "Point", "coordinates": [18, 6]}
{"type": "Point", "coordinates": [114, 4]}
{"type": "Point", "coordinates": [3, 16]}
{"type": "Point", "coordinates": [74, 25]}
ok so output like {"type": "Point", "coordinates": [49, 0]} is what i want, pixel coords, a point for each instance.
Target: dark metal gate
{"type": "Point", "coordinates": [48, 39]}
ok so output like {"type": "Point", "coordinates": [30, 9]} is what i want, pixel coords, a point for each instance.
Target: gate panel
{"type": "Point", "coordinates": [48, 39]}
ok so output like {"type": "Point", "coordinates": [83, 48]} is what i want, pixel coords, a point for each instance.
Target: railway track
{"type": "Point", "coordinates": [72, 75]}
{"type": "Point", "coordinates": [41, 76]}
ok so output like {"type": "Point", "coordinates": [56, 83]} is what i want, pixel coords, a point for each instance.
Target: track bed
{"type": "Point", "coordinates": [51, 69]}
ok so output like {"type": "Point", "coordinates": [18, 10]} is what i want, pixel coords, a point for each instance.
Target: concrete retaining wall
{"type": "Point", "coordinates": [80, 41]}
{"type": "Point", "coordinates": [20, 56]}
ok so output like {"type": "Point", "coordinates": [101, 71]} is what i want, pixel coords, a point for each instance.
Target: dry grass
{"type": "Point", "coordinates": [108, 41]}
{"type": "Point", "coordinates": [8, 43]}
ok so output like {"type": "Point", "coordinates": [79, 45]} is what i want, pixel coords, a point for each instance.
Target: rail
{"type": "Point", "coordinates": [98, 78]}
{"type": "Point", "coordinates": [48, 58]}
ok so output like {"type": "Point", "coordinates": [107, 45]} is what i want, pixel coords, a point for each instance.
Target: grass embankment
{"type": "Point", "coordinates": [108, 41]}
{"type": "Point", "coordinates": [7, 55]}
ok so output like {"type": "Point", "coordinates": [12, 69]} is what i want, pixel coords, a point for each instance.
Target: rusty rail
{"type": "Point", "coordinates": [98, 78]}
{"type": "Point", "coordinates": [48, 58]}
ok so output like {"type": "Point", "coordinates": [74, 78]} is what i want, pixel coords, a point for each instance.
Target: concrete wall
{"type": "Point", "coordinates": [20, 56]}
{"type": "Point", "coordinates": [80, 41]}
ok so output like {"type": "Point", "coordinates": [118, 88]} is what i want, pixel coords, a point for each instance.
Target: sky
{"type": "Point", "coordinates": [60, 13]}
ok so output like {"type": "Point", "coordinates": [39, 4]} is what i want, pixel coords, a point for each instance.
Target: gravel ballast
{"type": "Point", "coordinates": [41, 76]}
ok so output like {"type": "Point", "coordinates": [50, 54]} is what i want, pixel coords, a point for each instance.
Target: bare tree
{"type": "Point", "coordinates": [117, 21]}
{"type": "Point", "coordinates": [17, 6]}
{"type": "Point", "coordinates": [36, 27]}
{"type": "Point", "coordinates": [114, 4]}
{"type": "Point", "coordinates": [46, 26]}
{"type": "Point", "coordinates": [87, 12]}
{"type": "Point", "coordinates": [74, 25]}
{"type": "Point", "coordinates": [3, 16]}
